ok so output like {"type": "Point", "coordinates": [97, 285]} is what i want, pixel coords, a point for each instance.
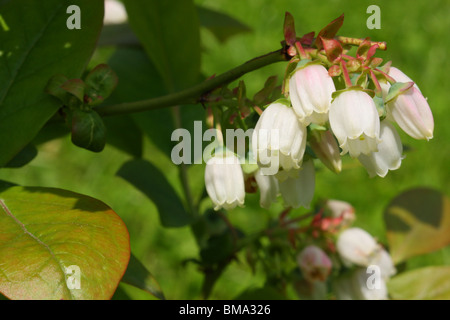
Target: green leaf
{"type": "Point", "coordinates": [25, 156]}
{"type": "Point", "coordinates": [88, 130]}
{"type": "Point", "coordinates": [220, 24]}
{"type": "Point", "coordinates": [137, 275]}
{"type": "Point", "coordinates": [37, 46]}
{"type": "Point", "coordinates": [417, 222]}
{"type": "Point", "coordinates": [148, 179]}
{"type": "Point", "coordinates": [170, 34]}
{"type": "Point", "coordinates": [47, 234]}
{"type": "Point", "coordinates": [430, 283]}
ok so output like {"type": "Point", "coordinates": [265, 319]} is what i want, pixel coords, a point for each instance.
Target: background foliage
{"type": "Point", "coordinates": [417, 44]}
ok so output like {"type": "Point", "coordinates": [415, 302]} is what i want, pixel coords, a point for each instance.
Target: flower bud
{"type": "Point", "coordinates": [326, 149]}
{"type": "Point", "coordinates": [299, 191]}
{"type": "Point", "coordinates": [224, 181]}
{"type": "Point", "coordinates": [314, 264]}
{"type": "Point", "coordinates": [412, 113]}
{"type": "Point", "coordinates": [355, 123]}
{"type": "Point", "coordinates": [356, 246]}
{"type": "Point", "coordinates": [341, 209]}
{"type": "Point", "coordinates": [279, 139]}
{"type": "Point", "coordinates": [389, 154]}
{"type": "Point", "coordinates": [310, 90]}
{"type": "Point", "coordinates": [268, 188]}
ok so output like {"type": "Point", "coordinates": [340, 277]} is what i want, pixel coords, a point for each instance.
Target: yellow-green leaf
{"type": "Point", "coordinates": [56, 244]}
{"type": "Point", "coordinates": [430, 283]}
{"type": "Point", "coordinates": [417, 222]}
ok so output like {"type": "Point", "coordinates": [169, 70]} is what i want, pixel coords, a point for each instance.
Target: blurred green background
{"type": "Point", "coordinates": [418, 43]}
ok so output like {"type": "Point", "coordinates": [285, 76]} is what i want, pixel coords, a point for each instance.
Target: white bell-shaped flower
{"type": "Point", "coordinates": [268, 188]}
{"type": "Point", "coordinates": [355, 123]}
{"type": "Point", "coordinates": [412, 113]}
{"type": "Point", "coordinates": [356, 246]}
{"type": "Point", "coordinates": [224, 181]}
{"type": "Point", "coordinates": [310, 89]}
{"type": "Point", "coordinates": [299, 191]}
{"type": "Point", "coordinates": [389, 154]}
{"type": "Point", "coordinates": [279, 139]}
{"type": "Point", "coordinates": [360, 286]}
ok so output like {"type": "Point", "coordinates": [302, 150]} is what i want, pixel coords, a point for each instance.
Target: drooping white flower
{"type": "Point", "coordinates": [268, 188]}
{"type": "Point", "coordinates": [299, 191]}
{"type": "Point", "coordinates": [384, 261]}
{"type": "Point", "coordinates": [389, 154]}
{"type": "Point", "coordinates": [314, 263]}
{"type": "Point", "coordinates": [412, 113]}
{"type": "Point", "coordinates": [355, 123]}
{"type": "Point", "coordinates": [310, 89]}
{"type": "Point", "coordinates": [356, 246]}
{"type": "Point", "coordinates": [279, 139]}
{"type": "Point", "coordinates": [360, 286]}
{"type": "Point", "coordinates": [224, 181]}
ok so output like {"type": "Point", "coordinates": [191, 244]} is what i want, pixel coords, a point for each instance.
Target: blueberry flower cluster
{"type": "Point", "coordinates": [334, 104]}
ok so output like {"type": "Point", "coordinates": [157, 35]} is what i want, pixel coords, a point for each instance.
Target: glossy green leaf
{"type": "Point", "coordinates": [149, 180]}
{"type": "Point", "coordinates": [137, 275]}
{"type": "Point", "coordinates": [58, 245]}
{"type": "Point", "coordinates": [430, 283]}
{"type": "Point", "coordinates": [36, 46]}
{"type": "Point", "coordinates": [417, 222]}
{"type": "Point", "coordinates": [170, 34]}
{"type": "Point", "coordinates": [220, 24]}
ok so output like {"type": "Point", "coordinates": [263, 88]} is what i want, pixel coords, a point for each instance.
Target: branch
{"type": "Point", "coordinates": [193, 94]}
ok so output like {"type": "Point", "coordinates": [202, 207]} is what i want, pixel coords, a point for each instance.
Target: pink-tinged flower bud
{"type": "Point", "coordinates": [268, 189]}
{"type": "Point", "coordinates": [279, 139]}
{"type": "Point", "coordinates": [341, 209]}
{"type": "Point", "coordinates": [299, 191]}
{"type": "Point", "coordinates": [327, 150]}
{"type": "Point", "coordinates": [314, 264]}
{"type": "Point", "coordinates": [356, 246]}
{"type": "Point", "coordinates": [398, 76]}
{"type": "Point", "coordinates": [224, 181]}
{"type": "Point", "coordinates": [355, 123]}
{"type": "Point", "coordinates": [310, 90]}
{"type": "Point", "coordinates": [412, 113]}
{"type": "Point", "coordinates": [389, 154]}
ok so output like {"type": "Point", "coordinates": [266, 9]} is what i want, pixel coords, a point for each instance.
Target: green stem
{"type": "Point", "coordinates": [193, 94]}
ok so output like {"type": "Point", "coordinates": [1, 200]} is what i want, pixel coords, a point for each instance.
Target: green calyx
{"type": "Point", "coordinates": [397, 89]}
